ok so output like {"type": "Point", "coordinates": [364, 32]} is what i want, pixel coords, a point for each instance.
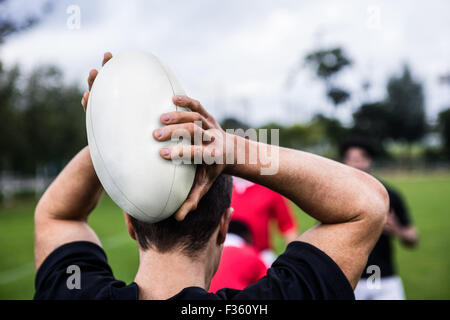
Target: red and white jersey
{"type": "Point", "coordinates": [240, 265]}
{"type": "Point", "coordinates": [256, 206]}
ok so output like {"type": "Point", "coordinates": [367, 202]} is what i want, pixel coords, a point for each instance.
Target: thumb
{"type": "Point", "coordinates": [191, 203]}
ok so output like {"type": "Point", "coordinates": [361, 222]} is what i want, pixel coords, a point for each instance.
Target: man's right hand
{"type": "Point", "coordinates": [211, 147]}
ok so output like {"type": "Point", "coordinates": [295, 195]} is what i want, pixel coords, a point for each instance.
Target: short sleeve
{"type": "Point", "coordinates": [79, 270]}
{"type": "Point", "coordinates": [302, 272]}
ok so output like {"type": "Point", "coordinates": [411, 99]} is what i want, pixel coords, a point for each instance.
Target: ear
{"type": "Point", "coordinates": [130, 227]}
{"type": "Point", "coordinates": [223, 226]}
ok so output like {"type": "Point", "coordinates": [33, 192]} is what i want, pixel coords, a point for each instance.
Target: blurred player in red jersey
{"type": "Point", "coordinates": [257, 206]}
{"type": "Point", "coordinates": [240, 265]}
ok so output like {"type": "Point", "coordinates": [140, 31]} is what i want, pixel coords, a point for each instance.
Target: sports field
{"type": "Point", "coordinates": [425, 271]}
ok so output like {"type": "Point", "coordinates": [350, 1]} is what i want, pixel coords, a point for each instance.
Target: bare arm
{"type": "Point", "coordinates": [351, 205]}
{"type": "Point", "coordinates": [407, 235]}
{"type": "Point", "coordinates": [61, 214]}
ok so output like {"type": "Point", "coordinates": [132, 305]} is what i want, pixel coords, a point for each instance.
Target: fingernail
{"type": "Point", "coordinates": [165, 151]}
{"type": "Point", "coordinates": [166, 117]}
{"type": "Point", "coordinates": [180, 98]}
{"type": "Point", "coordinates": [159, 133]}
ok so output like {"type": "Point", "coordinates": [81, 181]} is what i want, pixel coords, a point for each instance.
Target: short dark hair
{"type": "Point", "coordinates": [358, 142]}
{"type": "Point", "coordinates": [191, 234]}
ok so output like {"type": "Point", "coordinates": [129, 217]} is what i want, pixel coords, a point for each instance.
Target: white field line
{"type": "Point", "coordinates": [27, 269]}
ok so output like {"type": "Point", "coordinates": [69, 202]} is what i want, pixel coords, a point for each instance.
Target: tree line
{"type": "Point", "coordinates": [42, 123]}
{"type": "Point", "coordinates": [397, 118]}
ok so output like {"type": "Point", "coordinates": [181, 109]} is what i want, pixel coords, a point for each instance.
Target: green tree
{"type": "Point", "coordinates": [335, 132]}
{"type": "Point", "coordinates": [41, 120]}
{"type": "Point", "coordinates": [233, 123]}
{"type": "Point", "coordinates": [326, 64]}
{"type": "Point", "coordinates": [372, 119]}
{"type": "Point", "coordinates": [9, 117]}
{"type": "Point", "coordinates": [399, 117]}
{"type": "Point", "coordinates": [406, 107]}
{"type": "Point", "coordinates": [10, 25]}
{"type": "Point", "coordinates": [444, 129]}
{"type": "Point", "coordinates": [53, 121]}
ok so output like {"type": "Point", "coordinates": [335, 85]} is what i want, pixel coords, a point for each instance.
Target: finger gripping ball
{"type": "Point", "coordinates": [127, 99]}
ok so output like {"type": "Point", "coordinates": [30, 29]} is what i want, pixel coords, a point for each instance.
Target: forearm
{"type": "Point", "coordinates": [327, 190]}
{"type": "Point", "coordinates": [74, 193]}
{"type": "Point", "coordinates": [408, 236]}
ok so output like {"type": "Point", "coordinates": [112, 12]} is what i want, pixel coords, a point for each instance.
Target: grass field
{"type": "Point", "coordinates": [425, 270]}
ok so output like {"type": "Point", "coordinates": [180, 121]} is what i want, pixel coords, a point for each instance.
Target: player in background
{"type": "Point", "coordinates": [257, 206]}
{"type": "Point", "coordinates": [240, 264]}
{"type": "Point", "coordinates": [359, 153]}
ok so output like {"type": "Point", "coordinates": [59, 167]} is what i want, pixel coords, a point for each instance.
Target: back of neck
{"type": "Point", "coordinates": [162, 275]}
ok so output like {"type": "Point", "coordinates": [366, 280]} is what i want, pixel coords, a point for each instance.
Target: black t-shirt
{"type": "Point", "coordinates": [382, 253]}
{"type": "Point", "coordinates": [301, 272]}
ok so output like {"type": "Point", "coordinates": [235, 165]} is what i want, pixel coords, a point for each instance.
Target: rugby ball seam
{"type": "Point", "coordinates": [175, 168]}
{"type": "Point", "coordinates": [94, 140]}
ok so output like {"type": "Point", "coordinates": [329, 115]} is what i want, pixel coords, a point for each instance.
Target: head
{"type": "Point", "coordinates": [240, 229]}
{"type": "Point", "coordinates": [358, 153]}
{"type": "Point", "coordinates": [203, 229]}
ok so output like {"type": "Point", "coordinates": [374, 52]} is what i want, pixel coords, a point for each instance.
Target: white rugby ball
{"type": "Point", "coordinates": [126, 101]}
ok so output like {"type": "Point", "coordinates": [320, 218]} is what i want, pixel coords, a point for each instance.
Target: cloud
{"type": "Point", "coordinates": [235, 56]}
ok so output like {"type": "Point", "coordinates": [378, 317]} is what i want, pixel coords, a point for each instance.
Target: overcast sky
{"type": "Point", "coordinates": [235, 56]}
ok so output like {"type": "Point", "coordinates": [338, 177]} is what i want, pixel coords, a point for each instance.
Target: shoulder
{"type": "Point", "coordinates": [315, 267]}
{"type": "Point", "coordinates": [302, 272]}
{"type": "Point", "coordinates": [393, 192]}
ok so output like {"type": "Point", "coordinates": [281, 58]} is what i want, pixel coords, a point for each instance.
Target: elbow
{"type": "Point", "coordinates": [376, 206]}
{"type": "Point", "coordinates": [382, 209]}
{"type": "Point", "coordinates": [40, 211]}
{"type": "Point", "coordinates": [43, 209]}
